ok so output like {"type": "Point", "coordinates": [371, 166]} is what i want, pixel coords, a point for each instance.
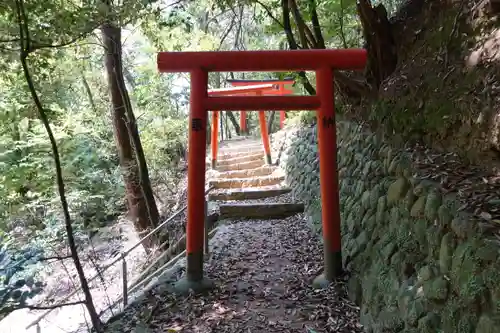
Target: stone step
{"type": "Point", "coordinates": [241, 159]}
{"type": "Point", "coordinates": [265, 170]}
{"type": "Point", "coordinates": [247, 182]}
{"type": "Point", "coordinates": [260, 210]}
{"type": "Point", "coordinates": [227, 157]}
{"type": "Point", "coordinates": [241, 148]}
{"type": "Point", "coordinates": [241, 166]}
{"type": "Point", "coordinates": [251, 193]}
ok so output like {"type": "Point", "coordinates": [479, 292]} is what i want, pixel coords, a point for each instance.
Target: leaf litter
{"type": "Point", "coordinates": [264, 271]}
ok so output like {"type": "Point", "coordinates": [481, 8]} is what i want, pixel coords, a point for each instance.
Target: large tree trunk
{"type": "Point", "coordinates": [382, 53]}
{"type": "Point", "coordinates": [142, 207]}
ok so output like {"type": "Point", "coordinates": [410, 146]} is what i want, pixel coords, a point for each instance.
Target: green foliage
{"type": "Point", "coordinates": [302, 118]}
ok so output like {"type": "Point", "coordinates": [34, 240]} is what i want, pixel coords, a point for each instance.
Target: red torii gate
{"type": "Point", "coordinates": [199, 64]}
{"type": "Point", "coordinates": [280, 91]}
{"type": "Point", "coordinates": [244, 89]}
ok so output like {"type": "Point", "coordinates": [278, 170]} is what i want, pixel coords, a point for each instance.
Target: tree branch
{"type": "Point", "coordinates": [270, 13]}
{"type": "Point", "coordinates": [10, 309]}
{"type": "Point", "coordinates": [306, 37]}
{"type": "Point", "coordinates": [320, 41]}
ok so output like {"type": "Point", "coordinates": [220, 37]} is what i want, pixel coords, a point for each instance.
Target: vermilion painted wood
{"type": "Point", "coordinates": [243, 82]}
{"type": "Point", "coordinates": [196, 175]}
{"type": "Point", "coordinates": [271, 93]}
{"type": "Point", "coordinates": [241, 90]}
{"type": "Point", "coordinates": [263, 61]}
{"type": "Point", "coordinates": [264, 134]}
{"type": "Point", "coordinates": [247, 103]}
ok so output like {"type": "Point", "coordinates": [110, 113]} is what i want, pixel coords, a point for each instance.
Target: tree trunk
{"type": "Point", "coordinates": [380, 45]}
{"type": "Point", "coordinates": [231, 116]}
{"type": "Point", "coordinates": [270, 122]}
{"type": "Point", "coordinates": [88, 91]}
{"type": "Point", "coordinates": [228, 130]}
{"type": "Point", "coordinates": [350, 86]}
{"type": "Point", "coordinates": [142, 207]}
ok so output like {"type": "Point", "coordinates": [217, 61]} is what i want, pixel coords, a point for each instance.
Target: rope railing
{"type": "Point", "coordinates": [122, 257]}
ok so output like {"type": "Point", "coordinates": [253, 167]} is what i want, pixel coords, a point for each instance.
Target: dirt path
{"type": "Point", "coordinates": [263, 271]}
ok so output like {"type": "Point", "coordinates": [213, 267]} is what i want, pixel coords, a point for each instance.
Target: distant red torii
{"type": "Point", "coordinates": [244, 90]}
{"type": "Point", "coordinates": [280, 91]}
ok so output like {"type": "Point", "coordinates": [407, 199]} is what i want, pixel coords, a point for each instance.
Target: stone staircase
{"type": "Point", "coordinates": [245, 187]}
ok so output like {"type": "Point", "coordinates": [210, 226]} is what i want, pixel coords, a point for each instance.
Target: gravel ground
{"type": "Point", "coordinates": [263, 271]}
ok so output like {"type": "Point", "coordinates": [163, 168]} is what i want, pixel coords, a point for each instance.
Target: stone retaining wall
{"type": "Point", "coordinates": [417, 264]}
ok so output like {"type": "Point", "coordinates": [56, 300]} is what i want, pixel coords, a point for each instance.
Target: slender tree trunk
{"type": "Point", "coordinates": [228, 130]}
{"type": "Point", "coordinates": [233, 120]}
{"type": "Point", "coordinates": [25, 50]}
{"type": "Point", "coordinates": [88, 91]}
{"type": "Point", "coordinates": [221, 129]}
{"type": "Point", "coordinates": [140, 197]}
{"type": "Point", "coordinates": [270, 122]}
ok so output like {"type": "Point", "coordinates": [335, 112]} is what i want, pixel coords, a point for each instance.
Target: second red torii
{"type": "Point", "coordinates": [244, 88]}
{"type": "Point", "coordinates": [280, 91]}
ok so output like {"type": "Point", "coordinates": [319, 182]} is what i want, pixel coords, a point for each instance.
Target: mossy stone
{"type": "Point", "coordinates": [487, 324]}
{"type": "Point", "coordinates": [432, 205]}
{"type": "Point", "coordinates": [417, 309]}
{"type": "Point", "coordinates": [462, 226]}
{"type": "Point", "coordinates": [388, 251]}
{"type": "Point", "coordinates": [429, 323]}
{"type": "Point", "coordinates": [425, 273]}
{"type": "Point", "coordinates": [488, 252]}
{"type": "Point", "coordinates": [446, 250]}
{"type": "Point", "coordinates": [354, 290]}
{"type": "Point", "coordinates": [381, 210]}
{"type": "Point", "coordinates": [390, 319]}
{"type": "Point", "coordinates": [444, 215]}
{"type": "Point", "coordinates": [397, 190]}
{"type": "Point", "coordinates": [436, 289]}
{"type": "Point", "coordinates": [417, 210]}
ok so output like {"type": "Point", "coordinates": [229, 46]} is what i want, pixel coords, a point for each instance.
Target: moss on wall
{"type": "Point", "coordinates": [417, 264]}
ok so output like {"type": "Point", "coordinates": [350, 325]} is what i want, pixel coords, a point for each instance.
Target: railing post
{"type": "Point", "coordinates": [327, 143]}
{"type": "Point", "coordinates": [124, 280]}
{"type": "Point", "coordinates": [206, 248]}
{"type": "Point", "coordinates": [215, 137]}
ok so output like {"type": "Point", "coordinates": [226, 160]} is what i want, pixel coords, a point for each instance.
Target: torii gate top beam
{"type": "Point", "coordinates": [261, 61]}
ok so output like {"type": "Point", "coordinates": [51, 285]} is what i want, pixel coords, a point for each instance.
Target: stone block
{"type": "Point", "coordinates": [397, 190]}
{"type": "Point", "coordinates": [260, 211]}
{"type": "Point", "coordinates": [448, 244]}
{"type": "Point", "coordinates": [436, 289]}
{"type": "Point", "coordinates": [248, 194]}
{"type": "Point", "coordinates": [487, 324]}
